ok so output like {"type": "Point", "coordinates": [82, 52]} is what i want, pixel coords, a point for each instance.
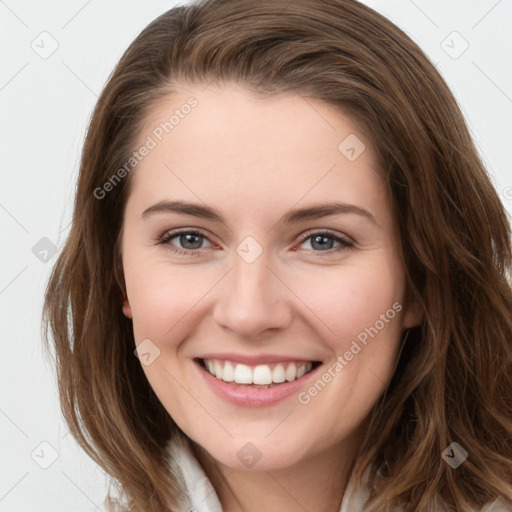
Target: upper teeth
{"type": "Point", "coordinates": [261, 374]}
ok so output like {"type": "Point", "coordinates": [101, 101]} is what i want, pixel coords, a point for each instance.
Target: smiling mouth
{"type": "Point", "coordinates": [258, 376]}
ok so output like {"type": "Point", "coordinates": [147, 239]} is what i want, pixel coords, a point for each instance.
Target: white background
{"type": "Point", "coordinates": [45, 105]}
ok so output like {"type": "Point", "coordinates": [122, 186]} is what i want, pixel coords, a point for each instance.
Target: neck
{"type": "Point", "coordinates": [317, 483]}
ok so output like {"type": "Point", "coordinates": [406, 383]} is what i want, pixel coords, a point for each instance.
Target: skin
{"type": "Point", "coordinates": [253, 159]}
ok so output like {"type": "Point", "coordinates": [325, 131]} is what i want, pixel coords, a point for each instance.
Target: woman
{"type": "Point", "coordinates": [288, 273]}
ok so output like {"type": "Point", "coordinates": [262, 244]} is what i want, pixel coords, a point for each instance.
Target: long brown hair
{"type": "Point", "coordinates": [453, 380]}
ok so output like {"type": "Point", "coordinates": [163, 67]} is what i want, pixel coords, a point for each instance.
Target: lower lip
{"type": "Point", "coordinates": [248, 396]}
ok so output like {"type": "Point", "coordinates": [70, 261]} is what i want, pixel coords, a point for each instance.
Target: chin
{"type": "Point", "coordinates": [256, 454]}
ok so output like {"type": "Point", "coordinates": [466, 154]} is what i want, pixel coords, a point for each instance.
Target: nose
{"type": "Point", "coordinates": [252, 299]}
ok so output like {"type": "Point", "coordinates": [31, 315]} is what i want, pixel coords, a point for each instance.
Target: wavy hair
{"type": "Point", "coordinates": [453, 378]}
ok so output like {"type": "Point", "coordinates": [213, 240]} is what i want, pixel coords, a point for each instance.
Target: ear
{"type": "Point", "coordinates": [127, 310]}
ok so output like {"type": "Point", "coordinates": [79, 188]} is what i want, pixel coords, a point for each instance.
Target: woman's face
{"type": "Point", "coordinates": [258, 241]}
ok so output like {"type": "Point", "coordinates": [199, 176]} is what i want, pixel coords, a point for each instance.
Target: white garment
{"type": "Point", "coordinates": [200, 496]}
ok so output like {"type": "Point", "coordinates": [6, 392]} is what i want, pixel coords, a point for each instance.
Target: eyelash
{"type": "Point", "coordinates": [345, 243]}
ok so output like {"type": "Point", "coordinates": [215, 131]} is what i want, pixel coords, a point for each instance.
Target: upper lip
{"type": "Point", "coordinates": [252, 360]}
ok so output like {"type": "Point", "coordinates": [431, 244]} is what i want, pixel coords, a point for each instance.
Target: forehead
{"type": "Point", "coordinates": [225, 143]}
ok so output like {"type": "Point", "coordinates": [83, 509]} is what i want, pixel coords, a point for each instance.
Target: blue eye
{"type": "Point", "coordinates": [190, 242]}
{"type": "Point", "coordinates": [324, 241]}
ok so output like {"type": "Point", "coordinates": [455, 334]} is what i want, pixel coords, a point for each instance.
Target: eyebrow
{"type": "Point", "coordinates": [315, 211]}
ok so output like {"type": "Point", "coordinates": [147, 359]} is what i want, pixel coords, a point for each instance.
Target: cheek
{"type": "Point", "coordinates": [354, 299]}
{"type": "Point", "coordinates": [162, 299]}
{"type": "Point", "coordinates": [360, 314]}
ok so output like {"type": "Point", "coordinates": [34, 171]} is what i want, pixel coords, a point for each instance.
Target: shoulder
{"type": "Point", "coordinates": [115, 501]}
{"type": "Point", "coordinates": [357, 494]}
{"type": "Point", "coordinates": [197, 492]}
{"type": "Point", "coordinates": [497, 506]}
